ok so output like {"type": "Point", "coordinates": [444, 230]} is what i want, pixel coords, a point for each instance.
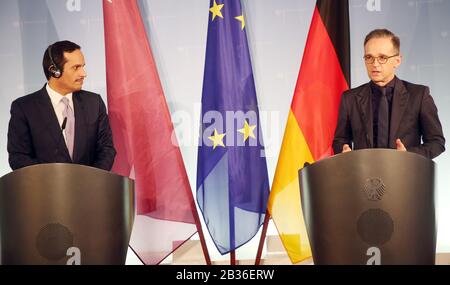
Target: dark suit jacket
{"type": "Point", "coordinates": [35, 136]}
{"type": "Point", "coordinates": [414, 119]}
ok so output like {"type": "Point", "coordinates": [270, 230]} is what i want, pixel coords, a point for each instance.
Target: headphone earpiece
{"type": "Point", "coordinates": [54, 70]}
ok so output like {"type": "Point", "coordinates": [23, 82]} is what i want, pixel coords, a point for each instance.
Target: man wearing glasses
{"type": "Point", "coordinates": [388, 112]}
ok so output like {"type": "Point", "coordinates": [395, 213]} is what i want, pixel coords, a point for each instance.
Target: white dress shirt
{"type": "Point", "coordinates": [58, 105]}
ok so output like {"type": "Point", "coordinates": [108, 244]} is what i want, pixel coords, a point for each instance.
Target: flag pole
{"type": "Point", "coordinates": [202, 241]}
{"type": "Point", "coordinates": [263, 237]}
{"type": "Point", "coordinates": [232, 257]}
{"type": "Point", "coordinates": [201, 234]}
{"type": "Point", "coordinates": [232, 232]}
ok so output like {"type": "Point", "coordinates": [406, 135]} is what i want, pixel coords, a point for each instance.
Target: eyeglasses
{"type": "Point", "coordinates": [382, 59]}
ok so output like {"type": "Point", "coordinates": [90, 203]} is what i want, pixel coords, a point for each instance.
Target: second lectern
{"type": "Point", "coordinates": [373, 206]}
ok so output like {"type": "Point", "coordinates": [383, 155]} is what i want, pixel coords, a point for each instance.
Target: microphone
{"type": "Point", "coordinates": [63, 127]}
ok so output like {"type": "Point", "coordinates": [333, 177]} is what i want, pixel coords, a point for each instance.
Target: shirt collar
{"type": "Point", "coordinates": [55, 97]}
{"type": "Point", "coordinates": [390, 85]}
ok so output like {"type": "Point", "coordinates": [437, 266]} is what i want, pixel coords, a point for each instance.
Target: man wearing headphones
{"type": "Point", "coordinates": [61, 122]}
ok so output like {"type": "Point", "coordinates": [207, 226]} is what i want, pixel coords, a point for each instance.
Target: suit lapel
{"type": "Point", "coordinates": [365, 110]}
{"type": "Point", "coordinates": [49, 119]}
{"type": "Point", "coordinates": [399, 104]}
{"type": "Point", "coordinates": [80, 126]}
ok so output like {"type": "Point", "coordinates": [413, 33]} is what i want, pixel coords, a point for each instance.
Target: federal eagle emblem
{"type": "Point", "coordinates": [374, 189]}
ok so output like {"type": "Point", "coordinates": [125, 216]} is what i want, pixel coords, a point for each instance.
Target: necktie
{"type": "Point", "coordinates": [383, 121]}
{"type": "Point", "coordinates": [70, 125]}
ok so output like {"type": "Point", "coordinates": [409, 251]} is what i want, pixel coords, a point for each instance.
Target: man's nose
{"type": "Point", "coordinates": [83, 72]}
{"type": "Point", "coordinates": [375, 62]}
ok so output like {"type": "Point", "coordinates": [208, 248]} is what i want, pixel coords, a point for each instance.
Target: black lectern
{"type": "Point", "coordinates": [372, 206]}
{"type": "Point", "coordinates": [65, 214]}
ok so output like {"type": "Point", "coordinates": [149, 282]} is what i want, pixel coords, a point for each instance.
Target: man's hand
{"type": "Point", "coordinates": [346, 148]}
{"type": "Point", "coordinates": [400, 145]}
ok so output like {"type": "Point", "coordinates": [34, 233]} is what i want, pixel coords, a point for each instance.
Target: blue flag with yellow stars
{"type": "Point", "coordinates": [232, 180]}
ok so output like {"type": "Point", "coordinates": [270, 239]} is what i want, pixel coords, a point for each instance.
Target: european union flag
{"type": "Point", "coordinates": [232, 180]}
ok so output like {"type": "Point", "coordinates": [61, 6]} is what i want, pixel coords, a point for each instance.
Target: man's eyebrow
{"type": "Point", "coordinates": [381, 54]}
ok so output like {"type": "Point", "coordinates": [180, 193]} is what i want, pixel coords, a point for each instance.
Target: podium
{"type": "Point", "coordinates": [65, 214]}
{"type": "Point", "coordinates": [371, 206]}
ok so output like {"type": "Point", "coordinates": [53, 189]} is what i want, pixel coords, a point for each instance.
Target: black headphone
{"type": "Point", "coordinates": [55, 71]}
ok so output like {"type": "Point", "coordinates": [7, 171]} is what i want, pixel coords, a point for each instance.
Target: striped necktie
{"type": "Point", "coordinates": [70, 125]}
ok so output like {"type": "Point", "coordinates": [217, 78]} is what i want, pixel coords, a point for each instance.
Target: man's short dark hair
{"type": "Point", "coordinates": [58, 49]}
{"type": "Point", "coordinates": [384, 33]}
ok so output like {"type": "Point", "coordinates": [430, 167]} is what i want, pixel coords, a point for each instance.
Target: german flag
{"type": "Point", "coordinates": [324, 75]}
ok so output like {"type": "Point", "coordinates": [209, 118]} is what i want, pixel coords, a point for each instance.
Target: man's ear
{"type": "Point", "coordinates": [398, 60]}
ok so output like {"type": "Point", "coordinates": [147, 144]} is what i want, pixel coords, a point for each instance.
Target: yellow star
{"type": "Point", "coordinates": [217, 139]}
{"type": "Point", "coordinates": [215, 10]}
{"type": "Point", "coordinates": [247, 130]}
{"type": "Point", "coordinates": [242, 20]}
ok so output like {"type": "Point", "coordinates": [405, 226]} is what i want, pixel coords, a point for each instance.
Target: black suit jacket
{"type": "Point", "coordinates": [35, 136]}
{"type": "Point", "coordinates": [414, 119]}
